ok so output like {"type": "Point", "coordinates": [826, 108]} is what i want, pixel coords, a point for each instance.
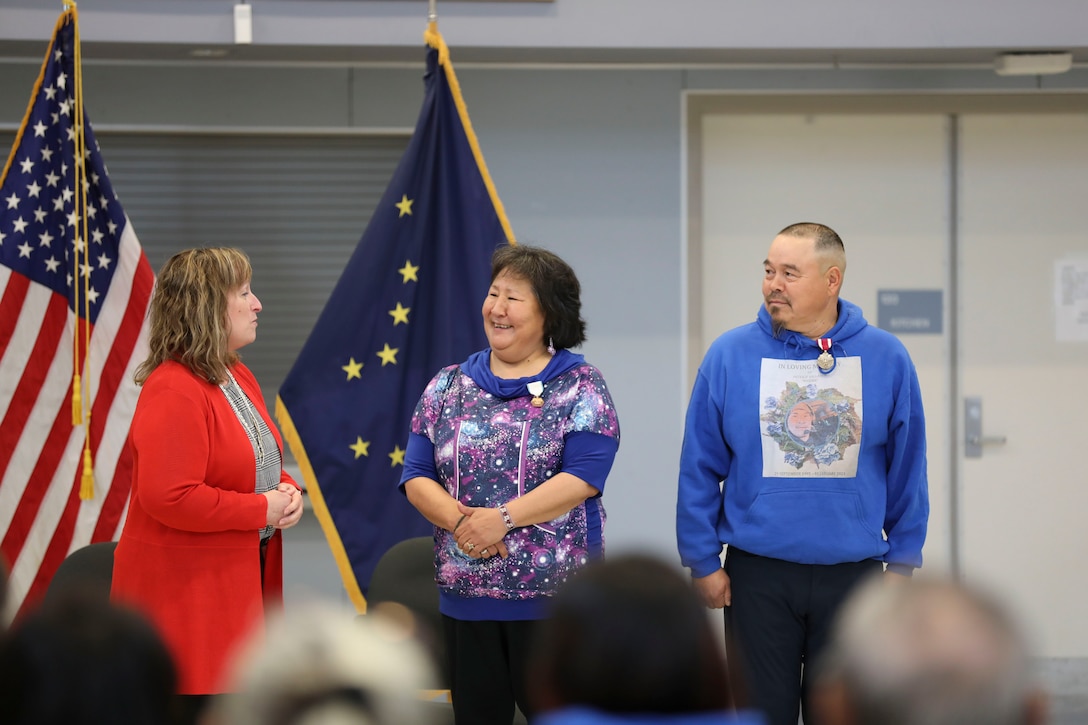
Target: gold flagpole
{"type": "Point", "coordinates": [81, 413]}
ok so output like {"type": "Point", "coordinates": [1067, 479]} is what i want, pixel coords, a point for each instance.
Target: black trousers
{"type": "Point", "coordinates": [487, 669]}
{"type": "Point", "coordinates": [779, 622]}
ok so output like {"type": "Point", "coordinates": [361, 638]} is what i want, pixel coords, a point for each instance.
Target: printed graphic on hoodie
{"type": "Point", "coordinates": [811, 421]}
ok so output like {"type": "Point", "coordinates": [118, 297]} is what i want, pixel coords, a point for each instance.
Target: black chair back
{"type": "Point", "coordinates": [405, 575]}
{"type": "Point", "coordinates": [87, 570]}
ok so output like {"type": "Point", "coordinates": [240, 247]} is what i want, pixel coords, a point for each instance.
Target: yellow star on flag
{"type": "Point", "coordinates": [353, 369]}
{"type": "Point", "coordinates": [397, 456]}
{"type": "Point", "coordinates": [405, 205]}
{"type": "Point", "coordinates": [408, 272]}
{"type": "Point", "coordinates": [400, 314]}
{"type": "Point", "coordinates": [361, 447]}
{"type": "Point", "coordinates": [388, 355]}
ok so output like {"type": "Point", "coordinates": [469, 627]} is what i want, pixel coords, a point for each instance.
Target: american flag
{"type": "Point", "coordinates": [69, 274]}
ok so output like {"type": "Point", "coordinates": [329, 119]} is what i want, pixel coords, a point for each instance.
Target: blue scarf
{"type": "Point", "coordinates": [478, 367]}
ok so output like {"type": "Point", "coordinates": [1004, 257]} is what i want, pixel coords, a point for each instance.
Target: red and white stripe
{"type": "Point", "coordinates": [42, 518]}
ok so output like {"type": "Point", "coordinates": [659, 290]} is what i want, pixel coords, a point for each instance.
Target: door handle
{"type": "Point", "coordinates": [987, 440]}
{"type": "Point", "coordinates": [974, 440]}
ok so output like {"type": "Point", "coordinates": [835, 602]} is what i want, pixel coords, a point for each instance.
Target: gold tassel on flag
{"type": "Point", "coordinates": [86, 485]}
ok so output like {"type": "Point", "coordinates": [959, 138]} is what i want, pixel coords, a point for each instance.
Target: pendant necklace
{"type": "Point", "coordinates": [536, 388]}
{"type": "Point", "coordinates": [247, 419]}
{"type": "Point", "coordinates": [826, 361]}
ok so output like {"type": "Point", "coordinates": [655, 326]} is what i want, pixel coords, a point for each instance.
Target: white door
{"type": "Point", "coordinates": [1023, 210]}
{"type": "Point", "coordinates": [882, 181]}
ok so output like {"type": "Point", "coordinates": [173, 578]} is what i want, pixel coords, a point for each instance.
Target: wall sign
{"type": "Point", "coordinates": [911, 312]}
{"type": "Point", "coordinates": [1071, 300]}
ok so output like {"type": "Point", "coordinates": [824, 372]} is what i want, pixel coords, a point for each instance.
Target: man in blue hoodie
{"type": "Point", "coordinates": [804, 451]}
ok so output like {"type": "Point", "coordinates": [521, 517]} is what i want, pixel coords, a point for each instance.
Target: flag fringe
{"type": "Point", "coordinates": [321, 509]}
{"type": "Point", "coordinates": [433, 38]}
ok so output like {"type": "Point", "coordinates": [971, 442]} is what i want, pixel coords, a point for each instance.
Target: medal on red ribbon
{"type": "Point", "coordinates": [826, 361]}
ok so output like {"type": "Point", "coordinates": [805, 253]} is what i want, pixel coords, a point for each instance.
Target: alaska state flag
{"type": "Point", "coordinates": [407, 304]}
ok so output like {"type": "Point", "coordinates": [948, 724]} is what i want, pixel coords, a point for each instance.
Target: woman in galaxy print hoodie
{"type": "Point", "coordinates": [507, 457]}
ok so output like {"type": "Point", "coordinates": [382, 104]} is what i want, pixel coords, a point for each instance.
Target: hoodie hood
{"type": "Point", "coordinates": [851, 321]}
{"type": "Point", "coordinates": [478, 367]}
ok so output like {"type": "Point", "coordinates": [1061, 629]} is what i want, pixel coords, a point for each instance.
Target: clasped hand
{"type": "Point", "coordinates": [480, 532]}
{"type": "Point", "coordinates": [284, 506]}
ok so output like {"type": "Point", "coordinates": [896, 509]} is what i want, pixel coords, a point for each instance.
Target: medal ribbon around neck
{"type": "Point", "coordinates": [826, 361]}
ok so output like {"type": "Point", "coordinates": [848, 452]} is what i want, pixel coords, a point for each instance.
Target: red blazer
{"type": "Point", "coordinates": [189, 554]}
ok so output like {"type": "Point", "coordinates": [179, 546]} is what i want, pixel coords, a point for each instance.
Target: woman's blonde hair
{"type": "Point", "coordinates": [188, 312]}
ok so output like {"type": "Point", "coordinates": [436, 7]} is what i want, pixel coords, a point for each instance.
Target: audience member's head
{"type": "Point", "coordinates": [928, 652]}
{"type": "Point", "coordinates": [628, 635]}
{"type": "Point", "coordinates": [317, 665]}
{"type": "Point", "coordinates": [84, 660]}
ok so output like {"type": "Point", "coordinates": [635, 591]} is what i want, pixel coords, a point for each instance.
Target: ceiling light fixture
{"type": "Point", "coordinates": [1031, 63]}
{"type": "Point", "coordinates": [243, 23]}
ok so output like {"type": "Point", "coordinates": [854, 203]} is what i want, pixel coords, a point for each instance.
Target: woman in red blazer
{"type": "Point", "coordinates": [201, 551]}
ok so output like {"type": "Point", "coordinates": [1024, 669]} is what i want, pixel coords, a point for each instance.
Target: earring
{"type": "Point", "coordinates": [551, 347]}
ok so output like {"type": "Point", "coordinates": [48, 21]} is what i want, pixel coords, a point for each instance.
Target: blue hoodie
{"type": "Point", "coordinates": [818, 467]}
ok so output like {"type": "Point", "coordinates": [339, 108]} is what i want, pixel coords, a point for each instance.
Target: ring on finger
{"type": "Point", "coordinates": [470, 546]}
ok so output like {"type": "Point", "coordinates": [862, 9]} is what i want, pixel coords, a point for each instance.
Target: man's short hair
{"type": "Point", "coordinates": [828, 243]}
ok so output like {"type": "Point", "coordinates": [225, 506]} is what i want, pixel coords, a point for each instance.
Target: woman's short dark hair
{"type": "Point", "coordinates": [628, 635]}
{"type": "Point", "coordinates": [555, 285]}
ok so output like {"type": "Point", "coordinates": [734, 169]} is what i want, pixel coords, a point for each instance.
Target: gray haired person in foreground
{"type": "Point", "coordinates": [927, 652]}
